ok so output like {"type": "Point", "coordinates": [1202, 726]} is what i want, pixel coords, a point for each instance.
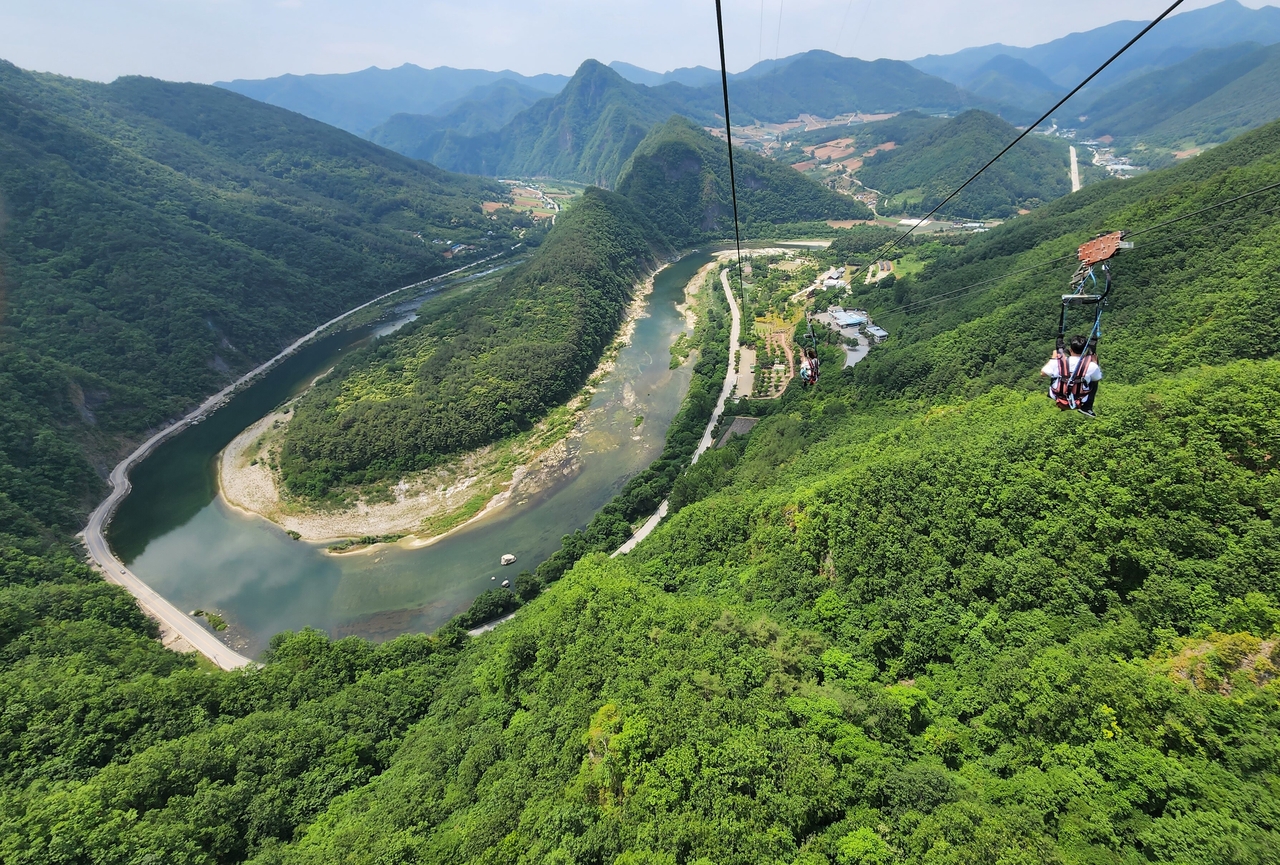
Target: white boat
{"type": "Point", "coordinates": [508, 559]}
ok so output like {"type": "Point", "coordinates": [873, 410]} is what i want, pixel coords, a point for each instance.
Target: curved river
{"type": "Point", "coordinates": [176, 532]}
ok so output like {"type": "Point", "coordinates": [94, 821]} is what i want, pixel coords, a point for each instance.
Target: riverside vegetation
{"type": "Point", "coordinates": [484, 366]}
{"type": "Point", "coordinates": [918, 615]}
{"type": "Point", "coordinates": [160, 238]}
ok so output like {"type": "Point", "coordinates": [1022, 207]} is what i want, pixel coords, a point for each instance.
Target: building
{"type": "Point", "coordinates": [844, 318]}
{"type": "Point", "coordinates": [879, 334]}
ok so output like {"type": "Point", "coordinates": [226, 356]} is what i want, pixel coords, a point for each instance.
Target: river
{"type": "Point", "coordinates": [175, 531]}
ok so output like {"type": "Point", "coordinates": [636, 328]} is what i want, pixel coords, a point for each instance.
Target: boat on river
{"type": "Point", "coordinates": [508, 559]}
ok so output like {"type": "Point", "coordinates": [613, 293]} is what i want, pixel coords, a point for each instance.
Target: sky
{"type": "Point", "coordinates": [212, 40]}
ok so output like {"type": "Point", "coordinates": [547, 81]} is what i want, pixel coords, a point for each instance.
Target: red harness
{"type": "Point", "coordinates": [1070, 389]}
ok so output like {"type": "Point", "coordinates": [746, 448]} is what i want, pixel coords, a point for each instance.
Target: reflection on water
{"type": "Point", "coordinates": [198, 552]}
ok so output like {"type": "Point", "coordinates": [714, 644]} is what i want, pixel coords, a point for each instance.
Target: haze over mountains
{"type": "Point", "coordinates": [1218, 84]}
{"type": "Point", "coordinates": [359, 101]}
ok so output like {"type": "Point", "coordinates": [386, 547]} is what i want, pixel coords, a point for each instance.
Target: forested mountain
{"type": "Point", "coordinates": [360, 101]}
{"type": "Point", "coordinates": [679, 176]}
{"type": "Point", "coordinates": [481, 366]}
{"type": "Point", "coordinates": [825, 84]}
{"type": "Point", "coordinates": [1207, 99]}
{"type": "Point", "coordinates": [919, 616]}
{"type": "Point", "coordinates": [589, 130]}
{"type": "Point", "coordinates": [161, 238]}
{"type": "Point", "coordinates": [586, 132]}
{"type": "Point", "coordinates": [917, 175]}
{"type": "Point", "coordinates": [1006, 80]}
{"type": "Point", "coordinates": [1069, 59]}
{"type": "Point", "coordinates": [484, 109]}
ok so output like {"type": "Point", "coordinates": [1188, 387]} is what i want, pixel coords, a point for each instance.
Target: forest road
{"type": "Point", "coordinates": [731, 378]}
{"type": "Point", "coordinates": [94, 534]}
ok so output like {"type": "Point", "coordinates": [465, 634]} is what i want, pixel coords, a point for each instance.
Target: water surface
{"type": "Point", "coordinates": [176, 533]}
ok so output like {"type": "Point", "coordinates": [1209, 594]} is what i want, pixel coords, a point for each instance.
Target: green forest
{"type": "Point", "coordinates": [478, 367]}
{"type": "Point", "coordinates": [679, 175]}
{"type": "Point", "coordinates": [159, 239]}
{"type": "Point", "coordinates": [481, 365]}
{"type": "Point", "coordinates": [918, 615]}
{"type": "Point", "coordinates": [916, 176]}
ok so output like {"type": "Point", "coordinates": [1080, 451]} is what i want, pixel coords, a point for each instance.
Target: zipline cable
{"type": "Point", "coordinates": [1145, 30]}
{"type": "Point", "coordinates": [857, 34]}
{"type": "Point", "coordinates": [843, 21]}
{"type": "Point", "coordinates": [960, 292]}
{"type": "Point", "coordinates": [1164, 224]}
{"type": "Point", "coordinates": [1202, 210]}
{"type": "Point", "coordinates": [728, 131]}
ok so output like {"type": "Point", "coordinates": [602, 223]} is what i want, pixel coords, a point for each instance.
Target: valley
{"type": "Point", "coordinates": [448, 490]}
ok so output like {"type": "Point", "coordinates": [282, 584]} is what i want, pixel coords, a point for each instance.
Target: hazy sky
{"type": "Point", "coordinates": [209, 40]}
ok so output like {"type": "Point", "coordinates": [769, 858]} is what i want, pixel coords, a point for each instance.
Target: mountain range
{"type": "Point", "coordinates": [591, 127]}
{"type": "Point", "coordinates": [586, 127]}
{"type": "Point", "coordinates": [359, 101]}
{"type": "Point", "coordinates": [1068, 60]}
{"type": "Point", "coordinates": [195, 231]}
{"type": "Point", "coordinates": [917, 614]}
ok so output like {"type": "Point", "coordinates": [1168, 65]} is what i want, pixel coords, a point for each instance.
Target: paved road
{"type": "Point", "coordinates": [200, 637]}
{"type": "Point", "coordinates": [730, 379]}
{"type": "Point", "coordinates": [1075, 171]}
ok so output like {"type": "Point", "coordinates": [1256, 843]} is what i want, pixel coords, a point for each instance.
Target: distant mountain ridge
{"type": "Point", "coordinates": [484, 109]}
{"type": "Point", "coordinates": [590, 129]}
{"type": "Point", "coordinates": [690, 76]}
{"type": "Point", "coordinates": [1070, 58]}
{"type": "Point", "coordinates": [359, 101]}
{"type": "Point", "coordinates": [828, 85]}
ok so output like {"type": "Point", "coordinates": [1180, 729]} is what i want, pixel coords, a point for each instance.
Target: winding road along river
{"type": "Point", "coordinates": [181, 541]}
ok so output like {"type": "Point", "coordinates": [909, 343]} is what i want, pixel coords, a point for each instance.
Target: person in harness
{"type": "Point", "coordinates": [809, 367]}
{"type": "Point", "coordinates": [1075, 375]}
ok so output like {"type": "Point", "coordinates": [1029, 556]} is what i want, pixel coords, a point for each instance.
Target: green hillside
{"type": "Point", "coordinates": [828, 85]}
{"type": "Point", "coordinates": [1247, 102]}
{"type": "Point", "coordinates": [585, 133]}
{"type": "Point", "coordinates": [484, 109]}
{"type": "Point", "coordinates": [956, 627]}
{"type": "Point", "coordinates": [918, 615]}
{"type": "Point", "coordinates": [481, 366]}
{"type": "Point", "coordinates": [1146, 102]}
{"type": "Point", "coordinates": [162, 238]}
{"type": "Point", "coordinates": [1006, 80]}
{"type": "Point", "coordinates": [679, 176]}
{"type": "Point", "coordinates": [920, 173]}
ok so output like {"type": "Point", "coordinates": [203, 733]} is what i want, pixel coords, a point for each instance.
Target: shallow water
{"type": "Point", "coordinates": [176, 533]}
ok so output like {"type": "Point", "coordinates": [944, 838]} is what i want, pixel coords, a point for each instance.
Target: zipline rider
{"type": "Point", "coordinates": [1069, 388]}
